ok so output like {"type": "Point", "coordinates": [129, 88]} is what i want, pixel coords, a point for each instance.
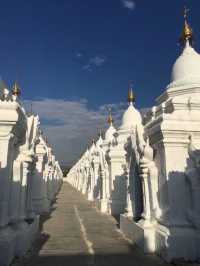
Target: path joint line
{"type": "Point", "coordinates": [84, 232]}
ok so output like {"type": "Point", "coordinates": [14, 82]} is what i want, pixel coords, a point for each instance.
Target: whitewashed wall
{"type": "Point", "coordinates": [30, 177]}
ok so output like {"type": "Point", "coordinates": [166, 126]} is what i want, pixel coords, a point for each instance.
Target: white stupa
{"type": "Point", "coordinates": [109, 135]}
{"type": "Point", "coordinates": [92, 148]}
{"type": "Point", "coordinates": [185, 76]}
{"type": "Point", "coordinates": [99, 141]}
{"type": "Point", "coordinates": [131, 116]}
{"type": "Point", "coordinates": [187, 67]}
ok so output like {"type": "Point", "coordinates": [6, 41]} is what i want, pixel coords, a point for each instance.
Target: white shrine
{"type": "Point", "coordinates": [148, 170]}
{"type": "Point", "coordinates": [30, 177]}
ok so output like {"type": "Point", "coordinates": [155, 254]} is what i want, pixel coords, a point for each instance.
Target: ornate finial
{"type": "Point", "coordinates": [100, 133]}
{"type": "Point", "coordinates": [187, 33]}
{"type": "Point", "coordinates": [46, 140]}
{"type": "Point", "coordinates": [4, 92]}
{"type": "Point", "coordinates": [93, 141]}
{"type": "Point", "coordinates": [110, 118]}
{"type": "Point", "coordinates": [131, 96]}
{"type": "Point", "coordinates": [186, 10]}
{"type": "Point", "coordinates": [16, 90]}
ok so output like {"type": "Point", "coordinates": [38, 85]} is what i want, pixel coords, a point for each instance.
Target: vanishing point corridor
{"type": "Point", "coordinates": [76, 234]}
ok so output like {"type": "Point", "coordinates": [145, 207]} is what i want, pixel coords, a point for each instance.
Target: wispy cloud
{"type": "Point", "coordinates": [95, 61]}
{"type": "Point", "coordinates": [71, 125]}
{"type": "Point", "coordinates": [128, 4]}
{"type": "Point", "coordinates": [87, 67]}
{"type": "Point", "coordinates": [79, 55]}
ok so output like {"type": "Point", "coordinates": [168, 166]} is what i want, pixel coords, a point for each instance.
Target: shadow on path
{"type": "Point", "coordinates": [93, 239]}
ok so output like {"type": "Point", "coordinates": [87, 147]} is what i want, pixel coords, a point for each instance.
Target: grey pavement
{"type": "Point", "coordinates": [77, 234]}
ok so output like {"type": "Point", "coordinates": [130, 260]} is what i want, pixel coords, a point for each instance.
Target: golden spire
{"type": "Point", "coordinates": [187, 33]}
{"type": "Point", "coordinates": [16, 90]}
{"type": "Point", "coordinates": [131, 96]}
{"type": "Point", "coordinates": [110, 118]}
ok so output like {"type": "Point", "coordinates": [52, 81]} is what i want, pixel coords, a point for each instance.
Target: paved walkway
{"type": "Point", "coordinates": [76, 234]}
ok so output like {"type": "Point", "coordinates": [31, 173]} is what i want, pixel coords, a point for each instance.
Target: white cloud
{"type": "Point", "coordinates": [95, 61]}
{"type": "Point", "coordinates": [87, 67]}
{"type": "Point", "coordinates": [79, 55]}
{"type": "Point", "coordinates": [128, 4]}
{"type": "Point", "coordinates": [71, 125]}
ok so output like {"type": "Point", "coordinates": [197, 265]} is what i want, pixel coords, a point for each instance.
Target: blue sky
{"type": "Point", "coordinates": [66, 52]}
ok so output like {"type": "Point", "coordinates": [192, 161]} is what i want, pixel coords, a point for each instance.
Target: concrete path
{"type": "Point", "coordinates": [76, 234]}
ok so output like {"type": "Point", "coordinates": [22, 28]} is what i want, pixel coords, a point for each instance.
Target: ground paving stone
{"type": "Point", "coordinates": [76, 234]}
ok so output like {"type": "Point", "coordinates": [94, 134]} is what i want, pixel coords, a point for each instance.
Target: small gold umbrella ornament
{"type": "Point", "coordinates": [16, 91]}
{"type": "Point", "coordinates": [131, 96]}
{"type": "Point", "coordinates": [187, 32]}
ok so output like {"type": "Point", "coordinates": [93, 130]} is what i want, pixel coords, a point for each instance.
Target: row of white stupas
{"type": "Point", "coordinates": [30, 177]}
{"type": "Point", "coordinates": [148, 170]}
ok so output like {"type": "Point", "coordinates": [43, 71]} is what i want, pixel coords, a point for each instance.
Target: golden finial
{"type": "Point", "coordinates": [187, 33]}
{"type": "Point", "coordinates": [131, 96]}
{"type": "Point", "coordinates": [110, 118]}
{"type": "Point", "coordinates": [16, 90]}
